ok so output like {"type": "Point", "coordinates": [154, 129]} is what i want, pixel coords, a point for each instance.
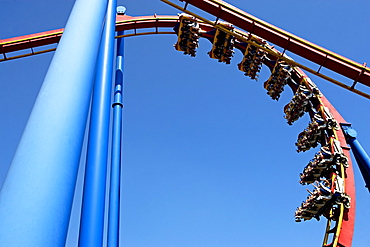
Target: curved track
{"type": "Point", "coordinates": [340, 219]}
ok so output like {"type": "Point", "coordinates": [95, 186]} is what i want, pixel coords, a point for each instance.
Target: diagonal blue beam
{"type": "Point", "coordinates": [115, 178]}
{"type": "Point", "coordinates": [92, 215]}
{"type": "Point", "coordinates": [362, 158]}
{"type": "Point", "coordinates": [37, 194]}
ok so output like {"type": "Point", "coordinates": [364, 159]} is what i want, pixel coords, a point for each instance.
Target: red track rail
{"type": "Point", "coordinates": [51, 37]}
{"type": "Point", "coordinates": [345, 238]}
{"type": "Point", "coordinates": [30, 41]}
{"type": "Point", "coordinates": [287, 41]}
{"type": "Point", "coordinates": [123, 23]}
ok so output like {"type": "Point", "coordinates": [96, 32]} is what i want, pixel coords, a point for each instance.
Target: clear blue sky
{"type": "Point", "coordinates": [208, 159]}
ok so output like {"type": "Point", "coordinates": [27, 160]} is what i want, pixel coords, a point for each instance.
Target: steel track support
{"type": "Point", "coordinates": [93, 202]}
{"type": "Point", "coordinates": [37, 194]}
{"type": "Point", "coordinates": [360, 154]}
{"type": "Point", "coordinates": [115, 171]}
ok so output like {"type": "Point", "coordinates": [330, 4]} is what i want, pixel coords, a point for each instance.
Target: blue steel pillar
{"type": "Point", "coordinates": [360, 154]}
{"type": "Point", "coordinates": [92, 215]}
{"type": "Point", "coordinates": [37, 194]}
{"type": "Point", "coordinates": [114, 195]}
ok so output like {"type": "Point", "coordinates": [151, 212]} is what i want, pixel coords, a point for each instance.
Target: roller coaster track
{"type": "Point", "coordinates": [340, 219]}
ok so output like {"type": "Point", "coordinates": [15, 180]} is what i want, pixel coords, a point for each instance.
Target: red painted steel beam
{"type": "Point", "coordinates": [290, 42]}
{"type": "Point", "coordinates": [123, 23]}
{"type": "Point", "coordinates": [145, 22]}
{"type": "Point", "coordinates": [348, 223]}
{"type": "Point", "coordinates": [30, 41]}
{"type": "Point", "coordinates": [53, 36]}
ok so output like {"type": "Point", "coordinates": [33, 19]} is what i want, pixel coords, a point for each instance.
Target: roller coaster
{"type": "Point", "coordinates": [330, 171]}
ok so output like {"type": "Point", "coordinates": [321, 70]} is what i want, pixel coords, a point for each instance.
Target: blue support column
{"type": "Point", "coordinates": [115, 178]}
{"type": "Point", "coordinates": [92, 215]}
{"type": "Point", "coordinates": [37, 194]}
{"type": "Point", "coordinates": [360, 154]}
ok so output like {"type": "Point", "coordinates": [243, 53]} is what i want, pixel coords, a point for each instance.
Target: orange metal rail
{"type": "Point", "coordinates": [31, 41]}
{"type": "Point", "coordinates": [347, 225]}
{"type": "Point", "coordinates": [51, 37]}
